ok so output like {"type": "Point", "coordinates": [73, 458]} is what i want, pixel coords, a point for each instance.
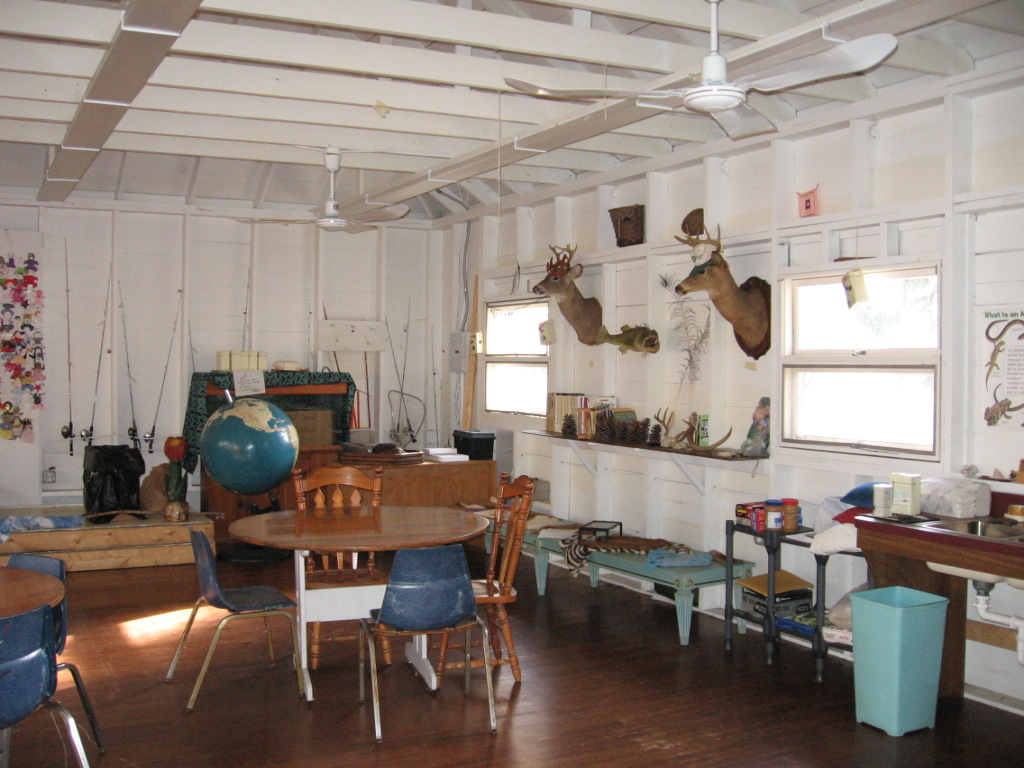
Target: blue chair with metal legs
{"type": "Point", "coordinates": [28, 676]}
{"type": "Point", "coordinates": [241, 602]}
{"type": "Point", "coordinates": [429, 592]}
{"type": "Point", "coordinates": [55, 567]}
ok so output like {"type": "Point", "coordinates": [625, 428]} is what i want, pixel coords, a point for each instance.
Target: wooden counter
{"type": "Point", "coordinates": [897, 555]}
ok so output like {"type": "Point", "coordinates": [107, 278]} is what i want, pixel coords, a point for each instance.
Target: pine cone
{"type": "Point", "coordinates": [569, 426]}
{"type": "Point", "coordinates": [654, 438]}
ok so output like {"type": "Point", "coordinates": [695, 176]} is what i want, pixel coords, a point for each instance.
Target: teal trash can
{"type": "Point", "coordinates": [897, 656]}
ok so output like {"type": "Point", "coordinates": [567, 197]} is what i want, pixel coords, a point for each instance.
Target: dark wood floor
{"type": "Point", "coordinates": [605, 683]}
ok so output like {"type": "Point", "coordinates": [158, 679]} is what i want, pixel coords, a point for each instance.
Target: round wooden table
{"type": "Point", "coordinates": [359, 529]}
{"type": "Point", "coordinates": [22, 590]}
{"type": "Point", "coordinates": [362, 529]}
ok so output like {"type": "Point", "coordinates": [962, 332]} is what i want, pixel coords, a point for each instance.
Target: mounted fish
{"type": "Point", "coordinates": [584, 314]}
{"type": "Point", "coordinates": [638, 338]}
{"type": "Point", "coordinates": [747, 307]}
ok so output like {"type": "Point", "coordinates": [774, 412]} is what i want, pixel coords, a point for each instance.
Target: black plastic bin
{"type": "Point", "coordinates": [478, 444]}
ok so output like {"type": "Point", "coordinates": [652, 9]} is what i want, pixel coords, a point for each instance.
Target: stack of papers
{"type": "Point", "coordinates": [443, 457]}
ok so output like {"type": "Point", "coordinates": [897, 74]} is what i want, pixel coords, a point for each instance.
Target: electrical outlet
{"type": "Point", "coordinates": [476, 343]}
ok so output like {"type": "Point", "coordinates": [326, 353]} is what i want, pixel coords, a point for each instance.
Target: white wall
{"type": "Point", "coordinates": [159, 293]}
{"type": "Point", "coordinates": [938, 182]}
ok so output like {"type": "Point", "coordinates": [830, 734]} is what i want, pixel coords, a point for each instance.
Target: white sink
{"type": "Point", "coordinates": [966, 573]}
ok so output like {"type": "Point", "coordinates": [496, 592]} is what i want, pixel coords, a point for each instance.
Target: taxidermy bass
{"type": "Point", "coordinates": [747, 307]}
{"type": "Point", "coordinates": [584, 314]}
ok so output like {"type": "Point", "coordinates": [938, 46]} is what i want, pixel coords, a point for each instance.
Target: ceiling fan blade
{"type": "Point", "coordinates": [742, 121]}
{"type": "Point", "coordinates": [352, 228]}
{"type": "Point", "coordinates": [390, 213]}
{"type": "Point", "coordinates": [845, 59]}
{"type": "Point", "coordinates": [586, 93]}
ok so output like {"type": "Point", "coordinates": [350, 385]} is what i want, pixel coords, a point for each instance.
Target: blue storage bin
{"type": "Point", "coordinates": [897, 657]}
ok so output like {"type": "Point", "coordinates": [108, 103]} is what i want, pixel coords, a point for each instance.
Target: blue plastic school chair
{"type": "Point", "coordinates": [241, 603]}
{"type": "Point", "coordinates": [55, 567]}
{"type": "Point", "coordinates": [28, 676]}
{"type": "Point", "coordinates": [429, 592]}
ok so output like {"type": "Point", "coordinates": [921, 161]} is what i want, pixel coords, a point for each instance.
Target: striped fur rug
{"type": "Point", "coordinates": [576, 551]}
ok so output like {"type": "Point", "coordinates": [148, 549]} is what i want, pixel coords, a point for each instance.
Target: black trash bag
{"type": "Point", "coordinates": [111, 479]}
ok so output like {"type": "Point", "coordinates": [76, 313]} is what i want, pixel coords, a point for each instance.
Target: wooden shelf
{"type": "Point", "coordinates": [685, 461]}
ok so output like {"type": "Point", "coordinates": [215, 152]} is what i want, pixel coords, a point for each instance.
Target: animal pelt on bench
{"type": "Point", "coordinates": [576, 550]}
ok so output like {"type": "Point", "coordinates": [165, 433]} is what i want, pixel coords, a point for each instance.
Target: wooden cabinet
{"type": "Point", "coordinates": [408, 485]}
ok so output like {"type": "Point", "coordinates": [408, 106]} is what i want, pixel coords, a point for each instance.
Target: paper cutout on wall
{"type": "Point", "coordinates": [21, 335]}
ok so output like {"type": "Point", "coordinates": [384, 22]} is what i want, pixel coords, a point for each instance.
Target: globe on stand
{"type": "Point", "coordinates": [249, 446]}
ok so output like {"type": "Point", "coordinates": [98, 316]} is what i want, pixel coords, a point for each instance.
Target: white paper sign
{"type": "Point", "coordinates": [249, 383]}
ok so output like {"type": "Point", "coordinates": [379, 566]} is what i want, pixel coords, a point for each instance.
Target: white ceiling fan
{"type": "Point", "coordinates": [725, 101]}
{"type": "Point", "coordinates": [329, 219]}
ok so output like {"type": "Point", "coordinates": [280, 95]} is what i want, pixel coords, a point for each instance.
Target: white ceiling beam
{"type": "Point", "coordinates": [241, 150]}
{"type": "Point", "coordinates": [1005, 16]}
{"type": "Point", "coordinates": [334, 54]}
{"type": "Point", "coordinates": [192, 189]}
{"type": "Point", "coordinates": [475, 29]}
{"type": "Point", "coordinates": [146, 32]}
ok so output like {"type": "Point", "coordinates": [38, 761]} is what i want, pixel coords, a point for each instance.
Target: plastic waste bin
{"type": "Point", "coordinates": [897, 656]}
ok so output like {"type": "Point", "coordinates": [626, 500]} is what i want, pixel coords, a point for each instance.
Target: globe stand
{"type": "Point", "coordinates": [242, 552]}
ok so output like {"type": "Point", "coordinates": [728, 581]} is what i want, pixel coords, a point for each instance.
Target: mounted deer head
{"type": "Point", "coordinates": [747, 307]}
{"type": "Point", "coordinates": [583, 314]}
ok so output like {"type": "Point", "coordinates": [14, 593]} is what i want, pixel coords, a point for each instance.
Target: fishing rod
{"type": "Point", "coordinates": [133, 430]}
{"type": "Point", "coordinates": [151, 435]}
{"type": "Point", "coordinates": [87, 434]}
{"type": "Point", "coordinates": [68, 430]}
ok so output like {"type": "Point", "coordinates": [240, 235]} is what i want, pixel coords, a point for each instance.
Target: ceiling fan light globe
{"type": "Point", "coordinates": [714, 98]}
{"type": "Point", "coordinates": [331, 223]}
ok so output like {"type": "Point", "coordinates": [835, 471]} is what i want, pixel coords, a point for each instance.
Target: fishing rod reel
{"type": "Point", "coordinates": [68, 433]}
{"type": "Point", "coordinates": [148, 439]}
{"type": "Point", "coordinates": [133, 435]}
{"type": "Point", "coordinates": [86, 434]}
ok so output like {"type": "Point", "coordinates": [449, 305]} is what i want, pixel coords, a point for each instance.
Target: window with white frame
{"type": "Point", "coordinates": [515, 361]}
{"type": "Point", "coordinates": [863, 378]}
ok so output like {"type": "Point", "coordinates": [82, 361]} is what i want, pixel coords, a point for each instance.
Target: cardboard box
{"type": "Point", "coordinates": [787, 604]}
{"type": "Point", "coordinates": [837, 635]}
{"type": "Point", "coordinates": [315, 427]}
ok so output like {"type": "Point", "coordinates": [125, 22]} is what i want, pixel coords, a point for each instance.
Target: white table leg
{"type": "Point", "coordinates": [329, 604]}
{"type": "Point", "coordinates": [416, 654]}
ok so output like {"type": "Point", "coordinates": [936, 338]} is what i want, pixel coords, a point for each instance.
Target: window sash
{"type": "Point", "coordinates": [865, 408]}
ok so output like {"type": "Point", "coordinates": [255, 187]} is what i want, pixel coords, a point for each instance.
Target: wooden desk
{"type": "Point", "coordinates": [362, 530]}
{"type": "Point", "coordinates": [22, 590]}
{"type": "Point", "coordinates": [425, 484]}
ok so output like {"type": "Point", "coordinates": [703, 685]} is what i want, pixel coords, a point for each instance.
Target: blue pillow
{"type": "Point", "coordinates": [862, 496]}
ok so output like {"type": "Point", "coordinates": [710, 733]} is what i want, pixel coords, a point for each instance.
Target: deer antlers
{"type": "Point", "coordinates": [563, 259]}
{"type": "Point", "coordinates": [686, 439]}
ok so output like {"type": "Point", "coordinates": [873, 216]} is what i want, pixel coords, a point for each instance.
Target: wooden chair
{"type": "Point", "coordinates": [496, 590]}
{"type": "Point", "coordinates": [330, 491]}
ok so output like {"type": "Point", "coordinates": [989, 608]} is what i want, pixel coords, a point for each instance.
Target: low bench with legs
{"type": "Point", "coordinates": [683, 579]}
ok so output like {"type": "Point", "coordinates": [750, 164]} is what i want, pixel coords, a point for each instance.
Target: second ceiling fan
{"type": "Point", "coordinates": [725, 101]}
{"type": "Point", "coordinates": [329, 218]}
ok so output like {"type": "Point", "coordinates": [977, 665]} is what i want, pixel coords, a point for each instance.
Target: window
{"type": "Point", "coordinates": [865, 378]}
{"type": "Point", "coordinates": [516, 363]}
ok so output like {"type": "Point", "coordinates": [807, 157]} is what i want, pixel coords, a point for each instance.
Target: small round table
{"type": "Point", "coordinates": [359, 529]}
{"type": "Point", "coordinates": [22, 590]}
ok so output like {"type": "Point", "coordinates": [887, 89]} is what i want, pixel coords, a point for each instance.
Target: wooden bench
{"type": "Point", "coordinates": [683, 579]}
{"type": "Point", "coordinates": [124, 542]}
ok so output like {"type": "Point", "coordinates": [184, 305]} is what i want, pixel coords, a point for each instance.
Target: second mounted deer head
{"type": "Point", "coordinates": [583, 314]}
{"type": "Point", "coordinates": [747, 307]}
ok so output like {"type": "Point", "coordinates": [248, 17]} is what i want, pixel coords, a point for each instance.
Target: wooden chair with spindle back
{"type": "Point", "coordinates": [496, 590]}
{"type": "Point", "coordinates": [331, 491]}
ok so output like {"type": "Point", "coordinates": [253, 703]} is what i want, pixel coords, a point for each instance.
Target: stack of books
{"type": "Point", "coordinates": [582, 407]}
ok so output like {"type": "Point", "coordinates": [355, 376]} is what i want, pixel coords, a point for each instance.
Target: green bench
{"type": "Point", "coordinates": [684, 580]}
